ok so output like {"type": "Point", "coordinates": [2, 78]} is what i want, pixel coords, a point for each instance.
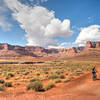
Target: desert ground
{"type": "Point", "coordinates": [53, 76]}
{"type": "Point", "coordinates": [76, 81]}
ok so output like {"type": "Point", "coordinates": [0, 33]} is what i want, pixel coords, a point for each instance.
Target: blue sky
{"type": "Point", "coordinates": [84, 17]}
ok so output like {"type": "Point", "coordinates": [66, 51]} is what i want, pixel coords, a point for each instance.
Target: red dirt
{"type": "Point", "coordinates": [81, 88]}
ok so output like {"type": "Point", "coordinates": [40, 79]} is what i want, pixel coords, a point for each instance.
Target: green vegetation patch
{"type": "Point", "coordinates": [8, 84]}
{"type": "Point", "coordinates": [37, 86]}
{"type": "Point", "coordinates": [2, 81]}
{"type": "Point", "coordinates": [2, 87]}
{"type": "Point", "coordinates": [49, 85]}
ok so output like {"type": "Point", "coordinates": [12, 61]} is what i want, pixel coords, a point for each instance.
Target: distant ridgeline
{"type": "Point", "coordinates": [36, 51]}
{"type": "Point", "coordinates": [13, 50]}
{"type": "Point", "coordinates": [90, 44]}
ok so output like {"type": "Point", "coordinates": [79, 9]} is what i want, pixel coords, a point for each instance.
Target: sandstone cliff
{"type": "Point", "coordinates": [35, 51]}
{"type": "Point", "coordinates": [90, 44]}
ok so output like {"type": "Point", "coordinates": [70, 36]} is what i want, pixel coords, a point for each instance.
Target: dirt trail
{"type": "Point", "coordinates": [82, 88]}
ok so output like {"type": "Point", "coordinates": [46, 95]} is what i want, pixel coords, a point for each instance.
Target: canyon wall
{"type": "Point", "coordinates": [90, 44]}
{"type": "Point", "coordinates": [37, 51]}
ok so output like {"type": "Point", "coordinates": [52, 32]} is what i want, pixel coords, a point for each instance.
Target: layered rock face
{"type": "Point", "coordinates": [7, 50]}
{"type": "Point", "coordinates": [36, 50]}
{"type": "Point", "coordinates": [11, 50]}
{"type": "Point", "coordinates": [6, 47]}
{"type": "Point", "coordinates": [90, 44]}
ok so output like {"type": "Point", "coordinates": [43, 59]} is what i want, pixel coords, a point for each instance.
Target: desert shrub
{"type": "Point", "coordinates": [22, 70]}
{"type": "Point", "coordinates": [4, 73]}
{"type": "Point", "coordinates": [79, 71]}
{"type": "Point", "coordinates": [46, 69]}
{"type": "Point", "coordinates": [2, 81]}
{"type": "Point", "coordinates": [16, 84]}
{"type": "Point", "coordinates": [10, 74]}
{"type": "Point", "coordinates": [7, 77]}
{"type": "Point", "coordinates": [53, 76]}
{"type": "Point", "coordinates": [37, 86]}
{"type": "Point", "coordinates": [46, 72]}
{"type": "Point", "coordinates": [62, 71]}
{"type": "Point", "coordinates": [76, 72]}
{"type": "Point", "coordinates": [42, 77]}
{"type": "Point", "coordinates": [2, 87]}
{"type": "Point", "coordinates": [34, 79]}
{"type": "Point", "coordinates": [23, 80]}
{"type": "Point", "coordinates": [58, 72]}
{"type": "Point", "coordinates": [47, 76]}
{"type": "Point", "coordinates": [62, 76]}
{"type": "Point", "coordinates": [58, 80]}
{"type": "Point", "coordinates": [49, 85]}
{"type": "Point", "coordinates": [17, 78]}
{"type": "Point", "coordinates": [38, 74]}
{"type": "Point", "coordinates": [8, 84]}
{"type": "Point", "coordinates": [67, 80]}
{"type": "Point", "coordinates": [26, 73]}
{"type": "Point", "coordinates": [17, 72]}
{"type": "Point", "coordinates": [66, 73]}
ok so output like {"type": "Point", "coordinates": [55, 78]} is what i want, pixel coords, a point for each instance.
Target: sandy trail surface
{"type": "Point", "coordinates": [81, 88]}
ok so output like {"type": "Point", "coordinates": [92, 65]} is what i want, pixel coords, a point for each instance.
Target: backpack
{"type": "Point", "coordinates": [93, 70]}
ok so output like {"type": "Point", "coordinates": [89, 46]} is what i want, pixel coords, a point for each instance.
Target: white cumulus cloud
{"type": "Point", "coordinates": [58, 28]}
{"type": "Point", "coordinates": [90, 33]}
{"type": "Point", "coordinates": [4, 24]}
{"type": "Point", "coordinates": [39, 23]}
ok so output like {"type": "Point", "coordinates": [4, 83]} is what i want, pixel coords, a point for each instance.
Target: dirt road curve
{"type": "Point", "coordinates": [82, 88]}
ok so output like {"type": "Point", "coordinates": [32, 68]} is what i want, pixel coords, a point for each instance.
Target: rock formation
{"type": "Point", "coordinates": [36, 50]}
{"type": "Point", "coordinates": [7, 50]}
{"type": "Point", "coordinates": [90, 44]}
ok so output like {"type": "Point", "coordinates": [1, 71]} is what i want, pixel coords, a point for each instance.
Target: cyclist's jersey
{"type": "Point", "coordinates": [93, 70]}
